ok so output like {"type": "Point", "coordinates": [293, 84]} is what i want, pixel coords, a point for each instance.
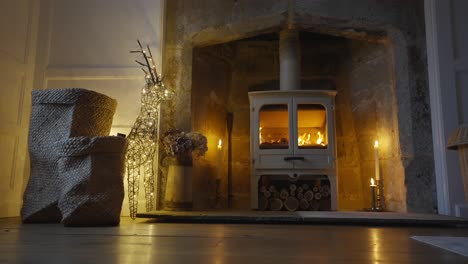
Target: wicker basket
{"type": "Point", "coordinates": [58, 114]}
{"type": "Point", "coordinates": [459, 140]}
{"type": "Point", "coordinates": [459, 137]}
{"type": "Point", "coordinates": [91, 180]}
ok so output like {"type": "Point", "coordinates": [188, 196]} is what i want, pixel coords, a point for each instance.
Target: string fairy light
{"type": "Point", "coordinates": [143, 137]}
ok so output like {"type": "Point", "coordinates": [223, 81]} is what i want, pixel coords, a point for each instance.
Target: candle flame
{"type": "Point", "coordinates": [372, 183]}
{"type": "Point", "coordinates": [220, 144]}
{"type": "Point", "coordinates": [376, 144]}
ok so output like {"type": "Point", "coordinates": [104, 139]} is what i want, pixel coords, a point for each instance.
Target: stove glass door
{"type": "Point", "coordinates": [311, 126]}
{"type": "Point", "coordinates": [274, 126]}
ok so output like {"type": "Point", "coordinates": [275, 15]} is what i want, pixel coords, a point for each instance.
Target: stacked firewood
{"type": "Point", "coordinates": [293, 197]}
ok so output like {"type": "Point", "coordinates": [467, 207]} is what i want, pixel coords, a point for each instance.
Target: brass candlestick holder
{"type": "Point", "coordinates": [380, 196]}
{"type": "Point", "coordinates": [377, 198]}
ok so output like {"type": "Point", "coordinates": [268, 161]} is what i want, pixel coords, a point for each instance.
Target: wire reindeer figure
{"type": "Point", "coordinates": [143, 137]}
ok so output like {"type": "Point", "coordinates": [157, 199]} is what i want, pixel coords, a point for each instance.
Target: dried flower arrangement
{"type": "Point", "coordinates": [181, 145]}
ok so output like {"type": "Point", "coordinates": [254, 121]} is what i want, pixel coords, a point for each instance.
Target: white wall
{"type": "Point", "coordinates": [86, 44]}
{"type": "Point", "coordinates": [447, 42]}
{"type": "Point", "coordinates": [18, 31]}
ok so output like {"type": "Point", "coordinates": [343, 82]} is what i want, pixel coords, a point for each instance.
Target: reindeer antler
{"type": "Point", "coordinates": [150, 65]}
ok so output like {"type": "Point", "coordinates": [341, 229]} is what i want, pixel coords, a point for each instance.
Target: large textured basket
{"type": "Point", "coordinates": [58, 114]}
{"type": "Point", "coordinates": [91, 180]}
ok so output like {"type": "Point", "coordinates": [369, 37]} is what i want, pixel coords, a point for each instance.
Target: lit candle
{"type": "Point", "coordinates": [376, 157]}
{"type": "Point", "coordinates": [372, 182]}
{"type": "Point", "coordinates": [220, 157]}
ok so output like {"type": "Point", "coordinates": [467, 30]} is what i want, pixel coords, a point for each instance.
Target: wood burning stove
{"type": "Point", "coordinates": [293, 150]}
{"type": "Point", "coordinates": [292, 140]}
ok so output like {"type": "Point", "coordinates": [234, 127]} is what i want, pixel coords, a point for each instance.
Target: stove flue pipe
{"type": "Point", "coordinates": [290, 60]}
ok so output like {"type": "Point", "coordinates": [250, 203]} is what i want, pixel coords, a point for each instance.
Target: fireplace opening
{"type": "Point", "coordinates": [360, 72]}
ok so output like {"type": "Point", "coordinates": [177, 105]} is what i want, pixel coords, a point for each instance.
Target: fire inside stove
{"type": "Point", "coordinates": [310, 126]}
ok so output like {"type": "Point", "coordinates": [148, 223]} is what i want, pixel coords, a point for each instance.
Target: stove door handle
{"type": "Point", "coordinates": [293, 158]}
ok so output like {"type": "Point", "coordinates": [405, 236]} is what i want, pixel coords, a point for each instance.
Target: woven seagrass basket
{"type": "Point", "coordinates": [58, 114]}
{"type": "Point", "coordinates": [91, 172]}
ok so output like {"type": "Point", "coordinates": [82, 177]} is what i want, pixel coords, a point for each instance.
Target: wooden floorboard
{"type": "Point", "coordinates": [140, 241]}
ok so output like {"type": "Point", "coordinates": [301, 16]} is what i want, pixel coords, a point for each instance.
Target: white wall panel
{"type": "Point", "coordinates": [14, 28]}
{"type": "Point", "coordinates": [11, 100]}
{"type": "Point", "coordinates": [462, 96]}
{"type": "Point", "coordinates": [459, 29]}
{"type": "Point", "coordinates": [18, 32]}
{"type": "Point", "coordinates": [460, 56]}
{"type": "Point", "coordinates": [101, 33]}
{"type": "Point", "coordinates": [8, 145]}
{"type": "Point", "coordinates": [447, 39]}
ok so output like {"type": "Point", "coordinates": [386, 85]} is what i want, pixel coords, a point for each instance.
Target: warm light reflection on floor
{"type": "Point", "coordinates": [140, 239]}
{"type": "Point", "coordinates": [376, 244]}
{"type": "Point", "coordinates": [219, 250]}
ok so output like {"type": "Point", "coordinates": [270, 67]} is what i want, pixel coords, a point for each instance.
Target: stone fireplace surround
{"type": "Point", "coordinates": [377, 67]}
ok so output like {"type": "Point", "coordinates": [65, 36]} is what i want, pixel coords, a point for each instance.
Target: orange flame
{"type": "Point", "coordinates": [320, 138]}
{"type": "Point", "coordinates": [306, 139]}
